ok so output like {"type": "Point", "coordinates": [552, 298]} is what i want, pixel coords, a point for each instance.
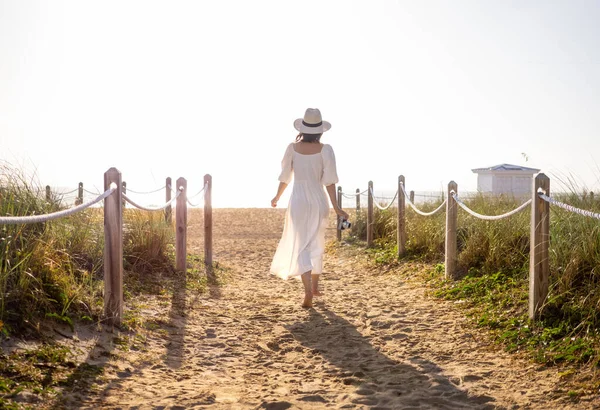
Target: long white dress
{"type": "Point", "coordinates": [302, 243]}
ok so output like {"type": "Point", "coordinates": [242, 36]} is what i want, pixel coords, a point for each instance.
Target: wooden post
{"type": "Point", "coordinates": [412, 196]}
{"type": "Point", "coordinates": [208, 227]}
{"type": "Point", "coordinates": [113, 249]}
{"type": "Point", "coordinates": [124, 191]}
{"type": "Point", "coordinates": [592, 196]}
{"type": "Point", "coordinates": [370, 216]}
{"type": "Point", "coordinates": [401, 217]}
{"type": "Point", "coordinates": [451, 225]}
{"type": "Point", "coordinates": [181, 226]}
{"type": "Point", "coordinates": [169, 208]}
{"type": "Point", "coordinates": [339, 218]}
{"type": "Point", "coordinates": [357, 199]}
{"type": "Point", "coordinates": [539, 266]}
{"type": "Point", "coordinates": [79, 199]}
{"type": "Point", "coordinates": [48, 193]}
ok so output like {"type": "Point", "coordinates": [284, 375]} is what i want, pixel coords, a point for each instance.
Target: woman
{"type": "Point", "coordinates": [300, 250]}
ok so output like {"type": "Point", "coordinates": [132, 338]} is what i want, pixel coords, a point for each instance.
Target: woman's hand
{"type": "Point", "coordinates": [341, 213]}
{"type": "Point", "coordinates": [280, 189]}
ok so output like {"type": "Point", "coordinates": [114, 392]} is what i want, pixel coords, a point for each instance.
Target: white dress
{"type": "Point", "coordinates": [302, 243]}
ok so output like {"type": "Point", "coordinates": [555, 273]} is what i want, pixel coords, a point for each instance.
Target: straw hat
{"type": "Point", "coordinates": [312, 122]}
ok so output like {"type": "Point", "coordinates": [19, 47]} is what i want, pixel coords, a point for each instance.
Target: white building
{"type": "Point", "coordinates": [505, 179]}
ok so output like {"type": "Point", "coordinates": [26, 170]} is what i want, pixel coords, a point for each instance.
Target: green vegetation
{"type": "Point", "coordinates": [53, 271]}
{"type": "Point", "coordinates": [38, 370]}
{"type": "Point", "coordinates": [494, 264]}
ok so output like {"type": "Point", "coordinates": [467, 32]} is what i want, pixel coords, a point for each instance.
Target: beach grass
{"type": "Point", "coordinates": [53, 270]}
{"type": "Point", "coordinates": [493, 263]}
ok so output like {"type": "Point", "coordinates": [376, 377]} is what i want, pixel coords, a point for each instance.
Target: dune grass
{"type": "Point", "coordinates": [54, 269]}
{"type": "Point", "coordinates": [53, 272]}
{"type": "Point", "coordinates": [493, 263]}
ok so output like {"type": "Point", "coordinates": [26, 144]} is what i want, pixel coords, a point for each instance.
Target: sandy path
{"type": "Point", "coordinates": [373, 341]}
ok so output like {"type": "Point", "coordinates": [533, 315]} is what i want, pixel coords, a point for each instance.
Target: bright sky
{"type": "Point", "coordinates": [428, 89]}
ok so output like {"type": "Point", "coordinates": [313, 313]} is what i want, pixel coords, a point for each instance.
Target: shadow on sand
{"type": "Point", "coordinates": [379, 380]}
{"type": "Point", "coordinates": [177, 322]}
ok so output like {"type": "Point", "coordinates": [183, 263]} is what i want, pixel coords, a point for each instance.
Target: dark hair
{"type": "Point", "coordinates": [308, 137]}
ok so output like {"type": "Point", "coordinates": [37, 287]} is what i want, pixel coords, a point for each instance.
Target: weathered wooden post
{"type": "Point", "coordinates": [401, 217]}
{"type": "Point", "coordinates": [48, 193]}
{"type": "Point", "coordinates": [124, 191]}
{"type": "Point", "coordinates": [79, 199]}
{"type": "Point", "coordinates": [370, 215]}
{"type": "Point", "coordinates": [451, 225]}
{"type": "Point", "coordinates": [357, 199]}
{"type": "Point", "coordinates": [208, 227]}
{"type": "Point", "coordinates": [592, 196]}
{"type": "Point", "coordinates": [181, 226]}
{"type": "Point", "coordinates": [169, 208]}
{"type": "Point", "coordinates": [339, 218]}
{"type": "Point", "coordinates": [113, 248]}
{"type": "Point", "coordinates": [412, 196]}
{"type": "Point", "coordinates": [539, 267]}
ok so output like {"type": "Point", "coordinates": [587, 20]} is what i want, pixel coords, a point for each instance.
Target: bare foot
{"type": "Point", "coordinates": [307, 301]}
{"type": "Point", "coordinates": [316, 293]}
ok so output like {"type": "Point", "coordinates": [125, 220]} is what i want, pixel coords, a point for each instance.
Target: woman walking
{"type": "Point", "coordinates": [312, 164]}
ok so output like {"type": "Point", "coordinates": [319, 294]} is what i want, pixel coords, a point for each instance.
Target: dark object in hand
{"type": "Point", "coordinates": [344, 224]}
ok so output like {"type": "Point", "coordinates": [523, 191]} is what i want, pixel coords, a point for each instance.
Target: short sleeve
{"type": "Point", "coordinates": [329, 168]}
{"type": "Point", "coordinates": [287, 169]}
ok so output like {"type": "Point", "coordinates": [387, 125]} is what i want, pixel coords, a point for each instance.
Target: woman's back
{"type": "Point", "coordinates": [309, 162]}
{"type": "Point", "coordinates": [308, 148]}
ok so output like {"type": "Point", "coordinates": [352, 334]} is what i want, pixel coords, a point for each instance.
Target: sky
{"type": "Point", "coordinates": [426, 89]}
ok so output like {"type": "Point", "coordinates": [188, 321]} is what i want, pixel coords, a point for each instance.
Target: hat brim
{"type": "Point", "coordinates": [325, 126]}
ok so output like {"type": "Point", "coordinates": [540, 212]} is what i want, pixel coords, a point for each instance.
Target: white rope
{"type": "Point", "coordinates": [383, 208]}
{"type": "Point", "coordinates": [569, 207]}
{"type": "Point", "coordinates": [90, 192]}
{"type": "Point", "coordinates": [199, 192]}
{"type": "Point", "coordinates": [153, 209]}
{"type": "Point", "coordinates": [489, 217]}
{"type": "Point", "coordinates": [196, 205]}
{"type": "Point", "coordinates": [353, 195]}
{"type": "Point", "coordinates": [146, 192]}
{"type": "Point", "coordinates": [435, 211]}
{"type": "Point", "coordinates": [427, 195]}
{"type": "Point", "coordinates": [417, 210]}
{"type": "Point", "coordinates": [13, 220]}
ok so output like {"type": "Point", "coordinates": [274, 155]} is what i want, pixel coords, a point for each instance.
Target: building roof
{"type": "Point", "coordinates": [507, 167]}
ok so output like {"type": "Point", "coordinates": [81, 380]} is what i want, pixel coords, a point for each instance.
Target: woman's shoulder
{"type": "Point", "coordinates": [327, 148]}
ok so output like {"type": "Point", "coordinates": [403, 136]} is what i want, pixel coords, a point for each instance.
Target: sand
{"type": "Point", "coordinates": [374, 340]}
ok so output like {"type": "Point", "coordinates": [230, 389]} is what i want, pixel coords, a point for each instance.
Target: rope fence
{"type": "Point", "coordinates": [114, 198]}
{"type": "Point", "coordinates": [569, 208]}
{"type": "Point", "coordinates": [151, 209]}
{"type": "Point", "coordinates": [383, 208]}
{"type": "Point", "coordinates": [194, 196]}
{"type": "Point", "coordinates": [19, 220]}
{"type": "Point", "coordinates": [147, 192]}
{"type": "Point", "coordinates": [489, 217]}
{"type": "Point", "coordinates": [417, 210]}
{"type": "Point", "coordinates": [69, 192]}
{"type": "Point", "coordinates": [539, 203]}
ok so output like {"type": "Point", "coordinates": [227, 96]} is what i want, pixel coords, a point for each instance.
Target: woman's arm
{"type": "Point", "coordinates": [332, 197]}
{"type": "Point", "coordinates": [280, 189]}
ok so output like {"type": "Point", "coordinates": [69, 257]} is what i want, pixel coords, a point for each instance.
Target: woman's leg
{"type": "Point", "coordinates": [315, 285]}
{"type": "Point", "coordinates": [308, 294]}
